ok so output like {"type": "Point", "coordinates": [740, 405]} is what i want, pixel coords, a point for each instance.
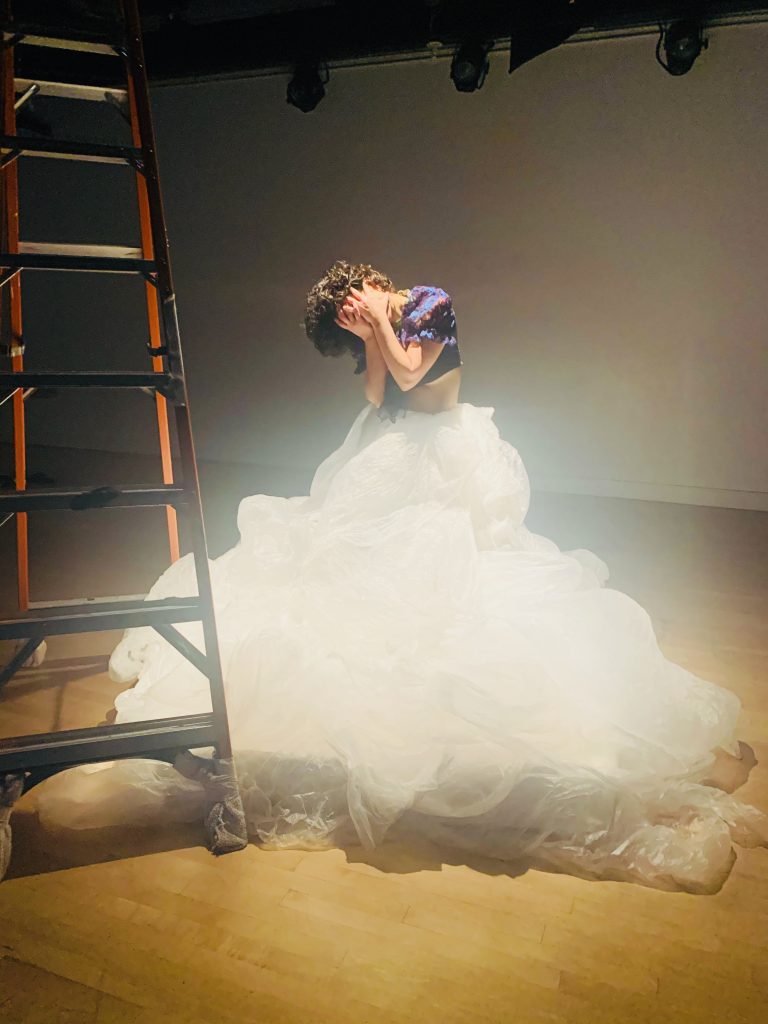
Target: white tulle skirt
{"type": "Point", "coordinates": [402, 655]}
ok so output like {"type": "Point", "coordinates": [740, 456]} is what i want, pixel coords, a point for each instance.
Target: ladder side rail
{"type": "Point", "coordinates": [153, 320]}
{"type": "Point", "coordinates": [138, 76]}
{"type": "Point", "coordinates": [173, 740]}
{"type": "Point", "coordinates": [10, 182]}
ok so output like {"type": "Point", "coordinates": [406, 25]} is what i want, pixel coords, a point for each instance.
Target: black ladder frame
{"type": "Point", "coordinates": [27, 760]}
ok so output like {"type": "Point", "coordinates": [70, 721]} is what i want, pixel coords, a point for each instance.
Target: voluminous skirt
{"type": "Point", "coordinates": [402, 655]}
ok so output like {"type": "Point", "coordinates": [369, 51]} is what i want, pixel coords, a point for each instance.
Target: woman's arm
{"type": "Point", "coordinates": [375, 367]}
{"type": "Point", "coordinates": [407, 365]}
{"type": "Point", "coordinates": [371, 305]}
{"type": "Point", "coordinates": [401, 362]}
{"type": "Point", "coordinates": [375, 371]}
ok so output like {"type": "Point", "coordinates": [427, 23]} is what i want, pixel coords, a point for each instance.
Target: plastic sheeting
{"type": "Point", "coordinates": [401, 651]}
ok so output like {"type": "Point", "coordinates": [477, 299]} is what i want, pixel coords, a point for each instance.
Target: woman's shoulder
{"type": "Point", "coordinates": [428, 313]}
{"type": "Point", "coordinates": [427, 296]}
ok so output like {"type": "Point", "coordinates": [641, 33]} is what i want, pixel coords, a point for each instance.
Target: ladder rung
{"type": "Point", "coordinates": [107, 742]}
{"type": "Point", "coordinates": [95, 618]}
{"type": "Point", "coordinates": [60, 43]}
{"type": "Point", "coordinates": [65, 150]}
{"type": "Point", "coordinates": [107, 259]}
{"type": "Point", "coordinates": [49, 605]}
{"type": "Point", "coordinates": [71, 91]}
{"type": "Point", "coordinates": [164, 382]}
{"type": "Point", "coordinates": [101, 497]}
{"type": "Point", "coordinates": [112, 252]}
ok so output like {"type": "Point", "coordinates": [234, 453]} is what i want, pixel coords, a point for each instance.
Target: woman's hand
{"type": "Point", "coordinates": [350, 319]}
{"type": "Point", "coordinates": [371, 303]}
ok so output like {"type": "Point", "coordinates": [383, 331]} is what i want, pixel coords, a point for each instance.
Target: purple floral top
{"type": "Point", "coordinates": [428, 313]}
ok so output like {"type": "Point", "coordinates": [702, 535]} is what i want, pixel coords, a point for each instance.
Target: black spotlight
{"type": "Point", "coordinates": [470, 66]}
{"type": "Point", "coordinates": [682, 42]}
{"type": "Point", "coordinates": [307, 87]}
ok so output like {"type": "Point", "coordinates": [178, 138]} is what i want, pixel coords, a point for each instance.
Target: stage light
{"type": "Point", "coordinates": [307, 87]}
{"type": "Point", "coordinates": [682, 42]}
{"type": "Point", "coordinates": [470, 66]}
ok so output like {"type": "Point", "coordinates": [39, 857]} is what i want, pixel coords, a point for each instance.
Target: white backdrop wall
{"type": "Point", "coordinates": [601, 226]}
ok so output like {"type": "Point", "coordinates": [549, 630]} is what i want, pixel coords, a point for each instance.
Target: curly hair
{"type": "Point", "coordinates": [324, 300]}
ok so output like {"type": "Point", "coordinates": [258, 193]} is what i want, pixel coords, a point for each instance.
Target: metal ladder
{"type": "Point", "coordinates": [27, 760]}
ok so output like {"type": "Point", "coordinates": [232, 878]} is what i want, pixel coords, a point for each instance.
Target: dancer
{"type": "Point", "coordinates": [403, 656]}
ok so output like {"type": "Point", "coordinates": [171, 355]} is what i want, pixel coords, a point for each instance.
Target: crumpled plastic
{"type": "Point", "coordinates": [403, 656]}
{"type": "Point", "coordinates": [224, 818]}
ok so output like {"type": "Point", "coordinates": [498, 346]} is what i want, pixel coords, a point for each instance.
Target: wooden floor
{"type": "Point", "coordinates": [127, 926]}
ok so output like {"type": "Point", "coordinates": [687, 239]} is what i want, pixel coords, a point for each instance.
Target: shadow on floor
{"type": "Point", "coordinates": [38, 851]}
{"type": "Point", "coordinates": [58, 673]}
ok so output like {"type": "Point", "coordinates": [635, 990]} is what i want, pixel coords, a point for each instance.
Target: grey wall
{"type": "Point", "coordinates": [600, 225]}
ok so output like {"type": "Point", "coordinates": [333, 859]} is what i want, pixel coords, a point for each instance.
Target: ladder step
{"type": "Point", "coordinates": [99, 616]}
{"type": "Point", "coordinates": [113, 252]}
{"type": "Point", "coordinates": [107, 742]}
{"type": "Point", "coordinates": [166, 383]}
{"type": "Point", "coordinates": [109, 259]}
{"type": "Point", "coordinates": [90, 601]}
{"type": "Point", "coordinates": [59, 42]}
{"type": "Point", "coordinates": [71, 91]}
{"type": "Point", "coordinates": [60, 149]}
{"type": "Point", "coordinates": [100, 497]}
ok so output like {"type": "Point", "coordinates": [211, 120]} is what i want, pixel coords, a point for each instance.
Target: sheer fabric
{"type": "Point", "coordinates": [401, 652]}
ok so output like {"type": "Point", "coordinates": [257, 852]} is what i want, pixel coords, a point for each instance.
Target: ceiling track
{"type": "Point", "coordinates": [438, 51]}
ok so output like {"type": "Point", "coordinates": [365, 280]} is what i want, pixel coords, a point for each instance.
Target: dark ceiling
{"type": "Point", "coordinates": [187, 39]}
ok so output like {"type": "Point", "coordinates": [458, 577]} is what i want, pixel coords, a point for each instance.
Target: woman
{"type": "Point", "coordinates": [402, 655]}
{"type": "Point", "coordinates": [406, 340]}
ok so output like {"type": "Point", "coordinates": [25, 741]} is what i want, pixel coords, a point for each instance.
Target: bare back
{"type": "Point", "coordinates": [436, 396]}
